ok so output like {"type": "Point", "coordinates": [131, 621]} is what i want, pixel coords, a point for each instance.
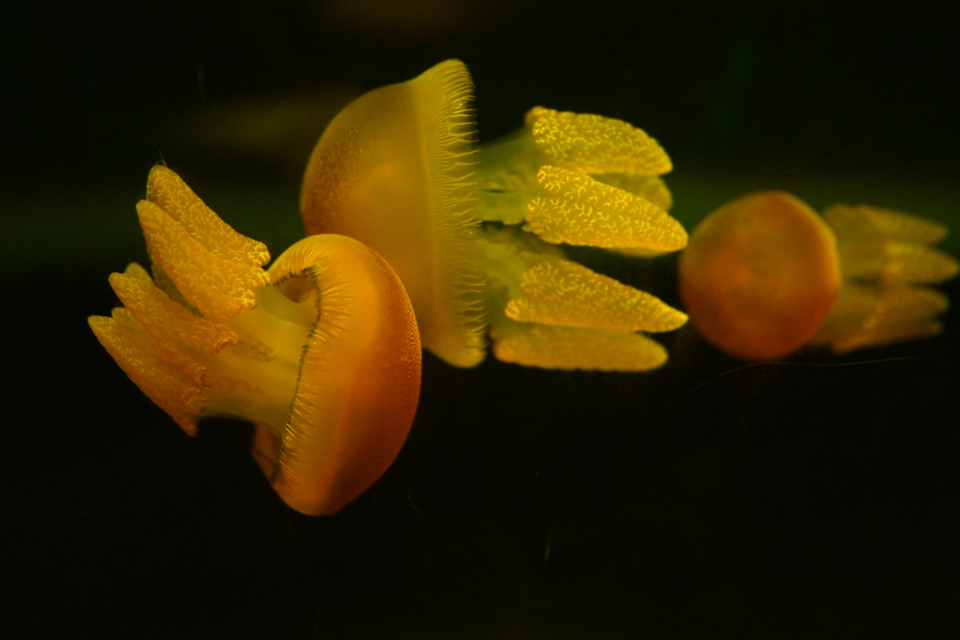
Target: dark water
{"type": "Point", "coordinates": [810, 498]}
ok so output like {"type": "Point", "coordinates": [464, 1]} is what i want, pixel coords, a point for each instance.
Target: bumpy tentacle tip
{"type": "Point", "coordinates": [590, 143]}
{"type": "Point", "coordinates": [556, 347]}
{"type": "Point", "coordinates": [561, 292]}
{"type": "Point", "coordinates": [168, 191]}
{"type": "Point", "coordinates": [147, 365]}
{"type": "Point", "coordinates": [579, 210]}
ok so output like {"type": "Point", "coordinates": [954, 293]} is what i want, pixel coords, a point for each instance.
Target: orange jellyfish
{"type": "Point", "coordinates": [475, 234]}
{"type": "Point", "coordinates": [321, 351]}
{"type": "Point", "coordinates": [764, 275]}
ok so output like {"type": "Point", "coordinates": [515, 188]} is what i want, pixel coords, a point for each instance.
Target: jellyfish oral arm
{"type": "Point", "coordinates": [889, 265]}
{"type": "Point", "coordinates": [580, 180]}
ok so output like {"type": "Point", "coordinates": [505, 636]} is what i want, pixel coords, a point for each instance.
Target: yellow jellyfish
{"type": "Point", "coordinates": [475, 234]}
{"type": "Point", "coordinates": [764, 275]}
{"type": "Point", "coordinates": [321, 351]}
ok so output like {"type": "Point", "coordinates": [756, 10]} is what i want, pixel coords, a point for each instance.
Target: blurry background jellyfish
{"type": "Point", "coordinates": [764, 275]}
{"type": "Point", "coordinates": [474, 236]}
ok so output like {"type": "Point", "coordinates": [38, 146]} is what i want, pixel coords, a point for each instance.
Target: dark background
{"type": "Point", "coordinates": [810, 498]}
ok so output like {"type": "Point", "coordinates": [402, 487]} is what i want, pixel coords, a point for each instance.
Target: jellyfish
{"type": "Point", "coordinates": [478, 235]}
{"type": "Point", "coordinates": [320, 351]}
{"type": "Point", "coordinates": [764, 275]}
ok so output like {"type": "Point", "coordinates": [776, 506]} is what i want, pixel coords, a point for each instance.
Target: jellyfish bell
{"type": "Point", "coordinates": [760, 275]}
{"type": "Point", "coordinates": [358, 383]}
{"type": "Point", "coordinates": [395, 169]}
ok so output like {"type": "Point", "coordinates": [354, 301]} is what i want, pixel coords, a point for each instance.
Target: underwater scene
{"type": "Point", "coordinates": [463, 319]}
